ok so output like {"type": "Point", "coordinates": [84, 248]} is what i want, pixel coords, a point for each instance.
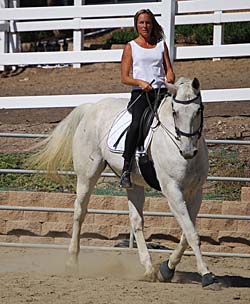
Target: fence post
{"type": "Point", "coordinates": [168, 24]}
{"type": "Point", "coordinates": [3, 34]}
{"type": "Point", "coordinates": [218, 32]}
{"type": "Point", "coordinates": [78, 35]}
{"type": "Point", "coordinates": [14, 37]}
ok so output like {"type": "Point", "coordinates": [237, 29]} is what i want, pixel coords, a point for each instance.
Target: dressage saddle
{"type": "Point", "coordinates": [145, 164]}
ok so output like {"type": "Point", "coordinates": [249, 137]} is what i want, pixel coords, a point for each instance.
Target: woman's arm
{"type": "Point", "coordinates": [126, 65]}
{"type": "Point", "coordinates": [170, 76]}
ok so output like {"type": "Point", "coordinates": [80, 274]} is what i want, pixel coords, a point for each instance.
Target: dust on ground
{"type": "Point", "coordinates": [104, 277]}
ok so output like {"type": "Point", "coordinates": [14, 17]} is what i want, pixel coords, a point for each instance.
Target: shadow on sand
{"type": "Point", "coordinates": [225, 281]}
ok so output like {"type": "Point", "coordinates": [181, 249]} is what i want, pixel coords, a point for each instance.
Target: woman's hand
{"type": "Point", "coordinates": [170, 77]}
{"type": "Point", "coordinates": [144, 85]}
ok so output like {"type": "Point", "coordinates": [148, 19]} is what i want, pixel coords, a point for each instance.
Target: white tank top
{"type": "Point", "coordinates": [148, 64]}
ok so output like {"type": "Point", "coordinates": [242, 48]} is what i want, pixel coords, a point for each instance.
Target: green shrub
{"type": "Point", "coordinates": [199, 33]}
{"type": "Point", "coordinates": [122, 36]}
{"type": "Point", "coordinates": [202, 34]}
{"type": "Point", "coordinates": [35, 36]}
{"type": "Point", "coordinates": [237, 32]}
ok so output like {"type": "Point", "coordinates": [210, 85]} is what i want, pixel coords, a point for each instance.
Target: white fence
{"type": "Point", "coordinates": [57, 101]}
{"type": "Point", "coordinates": [79, 17]}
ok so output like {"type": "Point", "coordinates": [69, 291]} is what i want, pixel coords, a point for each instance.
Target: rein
{"type": "Point", "coordinates": [159, 123]}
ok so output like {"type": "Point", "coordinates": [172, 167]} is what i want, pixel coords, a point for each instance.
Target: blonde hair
{"type": "Point", "coordinates": [157, 31]}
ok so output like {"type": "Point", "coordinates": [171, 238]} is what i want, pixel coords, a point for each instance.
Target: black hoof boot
{"type": "Point", "coordinates": [125, 181]}
{"type": "Point", "coordinates": [209, 279]}
{"type": "Point", "coordinates": [165, 274]}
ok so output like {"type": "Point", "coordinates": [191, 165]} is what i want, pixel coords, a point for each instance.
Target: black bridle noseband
{"type": "Point", "coordinates": [196, 132]}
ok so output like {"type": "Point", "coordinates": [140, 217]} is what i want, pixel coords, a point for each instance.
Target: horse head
{"type": "Point", "coordinates": [187, 111]}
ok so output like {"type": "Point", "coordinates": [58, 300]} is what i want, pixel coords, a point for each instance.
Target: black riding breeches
{"type": "Point", "coordinates": [137, 109]}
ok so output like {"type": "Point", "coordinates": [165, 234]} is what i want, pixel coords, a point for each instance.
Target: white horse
{"type": "Point", "coordinates": [179, 155]}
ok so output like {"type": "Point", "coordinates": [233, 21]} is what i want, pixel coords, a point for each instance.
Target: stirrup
{"type": "Point", "coordinates": [125, 181]}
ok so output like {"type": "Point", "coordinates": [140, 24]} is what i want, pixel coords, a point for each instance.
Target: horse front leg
{"type": "Point", "coordinates": [179, 208]}
{"type": "Point", "coordinates": [167, 270]}
{"type": "Point", "coordinates": [136, 200]}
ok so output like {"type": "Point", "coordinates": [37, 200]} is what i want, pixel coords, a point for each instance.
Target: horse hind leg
{"type": "Point", "coordinates": [135, 202]}
{"type": "Point", "coordinates": [85, 185]}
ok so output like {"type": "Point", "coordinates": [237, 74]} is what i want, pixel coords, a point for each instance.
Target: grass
{"type": "Point", "coordinates": [29, 182]}
{"type": "Point", "coordinates": [227, 161]}
{"type": "Point", "coordinates": [224, 161]}
{"type": "Point", "coordinates": [39, 182]}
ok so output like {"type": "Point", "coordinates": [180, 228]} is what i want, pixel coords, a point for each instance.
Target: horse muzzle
{"type": "Point", "coordinates": [189, 154]}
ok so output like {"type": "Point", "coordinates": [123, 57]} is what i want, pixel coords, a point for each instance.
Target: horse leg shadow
{"type": "Point", "coordinates": [225, 281]}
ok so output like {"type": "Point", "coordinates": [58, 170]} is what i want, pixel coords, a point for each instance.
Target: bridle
{"type": "Point", "coordinates": [179, 132]}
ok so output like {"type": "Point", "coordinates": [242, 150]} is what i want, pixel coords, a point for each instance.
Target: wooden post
{"type": "Point", "coordinates": [14, 37]}
{"type": "Point", "coordinates": [218, 33]}
{"type": "Point", "coordinates": [78, 35]}
{"type": "Point", "coordinates": [3, 33]}
{"type": "Point", "coordinates": [168, 24]}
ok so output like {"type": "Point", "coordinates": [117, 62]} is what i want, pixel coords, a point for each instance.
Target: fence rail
{"type": "Point", "coordinates": [107, 174]}
{"type": "Point", "coordinates": [79, 17]}
{"type": "Point", "coordinates": [58, 101]}
{"type": "Point", "coordinates": [208, 141]}
{"type": "Point", "coordinates": [50, 246]}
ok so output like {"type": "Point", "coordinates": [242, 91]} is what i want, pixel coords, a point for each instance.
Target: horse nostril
{"type": "Point", "coordinates": [188, 154]}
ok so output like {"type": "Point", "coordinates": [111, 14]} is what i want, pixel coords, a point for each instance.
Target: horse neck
{"type": "Point", "coordinates": [165, 113]}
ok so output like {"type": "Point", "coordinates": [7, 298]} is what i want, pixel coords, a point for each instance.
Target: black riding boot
{"type": "Point", "coordinates": [125, 181]}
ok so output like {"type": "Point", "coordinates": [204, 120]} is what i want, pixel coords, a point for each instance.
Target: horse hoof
{"type": "Point", "coordinates": [149, 276]}
{"type": "Point", "coordinates": [209, 282]}
{"type": "Point", "coordinates": [71, 267]}
{"type": "Point", "coordinates": [165, 274]}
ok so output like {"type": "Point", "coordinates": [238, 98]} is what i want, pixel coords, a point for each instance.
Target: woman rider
{"type": "Point", "coordinates": [147, 56]}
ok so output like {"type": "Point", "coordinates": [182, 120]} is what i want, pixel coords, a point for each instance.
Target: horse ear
{"type": "Point", "coordinates": [196, 84]}
{"type": "Point", "coordinates": [172, 88]}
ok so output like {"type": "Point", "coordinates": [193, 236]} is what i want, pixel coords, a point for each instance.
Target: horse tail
{"type": "Point", "coordinates": [56, 151]}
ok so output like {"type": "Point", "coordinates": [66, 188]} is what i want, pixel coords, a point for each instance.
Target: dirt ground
{"type": "Point", "coordinates": [39, 276]}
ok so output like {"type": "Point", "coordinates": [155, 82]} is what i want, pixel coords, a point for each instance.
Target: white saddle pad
{"type": "Point", "coordinates": [121, 122]}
